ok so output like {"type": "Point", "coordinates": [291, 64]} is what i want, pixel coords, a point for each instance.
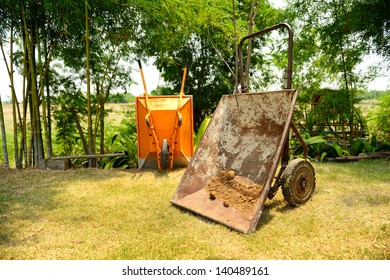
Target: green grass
{"type": "Point", "coordinates": [112, 214]}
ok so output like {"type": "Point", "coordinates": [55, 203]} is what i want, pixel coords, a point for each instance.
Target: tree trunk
{"type": "Point", "coordinates": [90, 146]}
{"type": "Point", "coordinates": [28, 111]}
{"type": "Point", "coordinates": [3, 136]}
{"type": "Point", "coordinates": [80, 129]}
{"type": "Point", "coordinates": [35, 121]}
{"type": "Point", "coordinates": [2, 124]}
{"type": "Point", "coordinates": [41, 96]}
{"type": "Point", "coordinates": [97, 117]}
{"type": "Point", "coordinates": [49, 145]}
{"type": "Point", "coordinates": [48, 51]}
{"type": "Point", "coordinates": [102, 112]}
{"type": "Point", "coordinates": [236, 61]}
{"type": "Point", "coordinates": [23, 141]}
{"type": "Point", "coordinates": [252, 17]}
{"type": "Point", "coordinates": [15, 105]}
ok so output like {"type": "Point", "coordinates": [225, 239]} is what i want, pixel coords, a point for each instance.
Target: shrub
{"type": "Point", "coordinates": [125, 141]}
{"type": "Point", "coordinates": [379, 119]}
{"type": "Point", "coordinates": [318, 146]}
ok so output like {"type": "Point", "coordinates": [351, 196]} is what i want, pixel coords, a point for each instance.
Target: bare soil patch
{"type": "Point", "coordinates": [233, 190]}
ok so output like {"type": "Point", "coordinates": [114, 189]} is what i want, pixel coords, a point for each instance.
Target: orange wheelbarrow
{"type": "Point", "coordinates": [164, 128]}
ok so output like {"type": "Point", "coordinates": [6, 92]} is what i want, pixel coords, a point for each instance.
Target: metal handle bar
{"type": "Point", "coordinates": [244, 83]}
{"type": "Point", "coordinates": [142, 76]}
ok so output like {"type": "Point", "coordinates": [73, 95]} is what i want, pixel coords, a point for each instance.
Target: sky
{"type": "Point", "coordinates": [152, 75]}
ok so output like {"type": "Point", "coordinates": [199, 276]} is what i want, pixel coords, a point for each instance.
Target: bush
{"type": "Point", "coordinates": [379, 119]}
{"type": "Point", "coordinates": [125, 141]}
{"type": "Point", "coordinates": [127, 144]}
{"type": "Point", "coordinates": [202, 128]}
{"type": "Point", "coordinates": [318, 146]}
{"type": "Point", "coordinates": [120, 98]}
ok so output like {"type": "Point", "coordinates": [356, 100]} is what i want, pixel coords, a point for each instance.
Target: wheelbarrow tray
{"type": "Point", "coordinates": [164, 110]}
{"type": "Point", "coordinates": [246, 134]}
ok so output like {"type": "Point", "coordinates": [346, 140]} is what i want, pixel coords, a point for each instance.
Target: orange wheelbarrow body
{"type": "Point", "coordinates": [163, 111]}
{"type": "Point", "coordinates": [164, 129]}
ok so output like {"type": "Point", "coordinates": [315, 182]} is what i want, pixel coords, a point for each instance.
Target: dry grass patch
{"type": "Point", "coordinates": [113, 214]}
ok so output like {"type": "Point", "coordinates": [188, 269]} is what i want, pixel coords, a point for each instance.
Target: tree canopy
{"type": "Point", "coordinates": [74, 54]}
{"type": "Point", "coordinates": [371, 20]}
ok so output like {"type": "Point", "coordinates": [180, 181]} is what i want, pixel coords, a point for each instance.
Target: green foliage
{"type": "Point", "coordinates": [331, 110]}
{"type": "Point", "coordinates": [327, 48]}
{"type": "Point", "coordinates": [371, 94]}
{"type": "Point", "coordinates": [334, 106]}
{"type": "Point", "coordinates": [319, 147]}
{"type": "Point", "coordinates": [316, 147]}
{"type": "Point", "coordinates": [361, 145]}
{"type": "Point", "coordinates": [379, 119]}
{"type": "Point", "coordinates": [123, 142]}
{"type": "Point", "coordinates": [206, 42]}
{"type": "Point", "coordinates": [202, 128]}
{"type": "Point", "coordinates": [69, 108]}
{"type": "Point", "coordinates": [120, 98]}
{"type": "Point", "coordinates": [66, 136]}
{"type": "Point", "coordinates": [208, 78]}
{"type": "Point", "coordinates": [370, 19]}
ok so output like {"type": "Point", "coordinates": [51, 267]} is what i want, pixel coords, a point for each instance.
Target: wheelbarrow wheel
{"type": "Point", "coordinates": [164, 155]}
{"type": "Point", "coordinates": [298, 182]}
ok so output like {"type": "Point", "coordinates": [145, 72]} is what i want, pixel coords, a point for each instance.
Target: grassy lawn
{"type": "Point", "coordinates": [112, 214]}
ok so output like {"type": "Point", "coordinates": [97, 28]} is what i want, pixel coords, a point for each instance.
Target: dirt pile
{"type": "Point", "coordinates": [232, 191]}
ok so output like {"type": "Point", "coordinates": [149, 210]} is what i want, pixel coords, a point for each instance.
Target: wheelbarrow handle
{"type": "Point", "coordinates": [143, 77]}
{"type": "Point", "coordinates": [181, 94]}
{"type": "Point", "coordinates": [183, 80]}
{"type": "Point", "coordinates": [244, 82]}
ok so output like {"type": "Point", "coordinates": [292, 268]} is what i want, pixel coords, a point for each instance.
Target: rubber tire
{"type": "Point", "coordinates": [164, 155]}
{"type": "Point", "coordinates": [298, 182]}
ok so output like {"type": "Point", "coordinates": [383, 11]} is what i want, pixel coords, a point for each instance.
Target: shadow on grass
{"type": "Point", "coordinates": [137, 173]}
{"type": "Point", "coordinates": [25, 195]}
{"type": "Point", "coordinates": [165, 173]}
{"type": "Point", "coordinates": [274, 205]}
{"type": "Point", "coordinates": [266, 216]}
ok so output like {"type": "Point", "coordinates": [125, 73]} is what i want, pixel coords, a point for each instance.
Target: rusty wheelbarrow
{"type": "Point", "coordinates": [164, 128]}
{"type": "Point", "coordinates": [232, 172]}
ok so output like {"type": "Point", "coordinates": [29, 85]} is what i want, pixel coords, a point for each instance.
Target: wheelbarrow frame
{"type": "Point", "coordinates": [285, 156]}
{"type": "Point", "coordinates": [233, 121]}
